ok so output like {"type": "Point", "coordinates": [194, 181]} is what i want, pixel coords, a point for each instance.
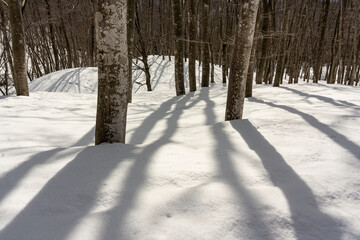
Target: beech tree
{"type": "Point", "coordinates": [112, 59]}
{"type": "Point", "coordinates": [240, 60]}
{"type": "Point", "coordinates": [18, 47]}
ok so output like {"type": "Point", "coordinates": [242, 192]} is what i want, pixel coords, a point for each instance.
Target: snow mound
{"type": "Point", "coordinates": [84, 79]}
{"type": "Point", "coordinates": [74, 80]}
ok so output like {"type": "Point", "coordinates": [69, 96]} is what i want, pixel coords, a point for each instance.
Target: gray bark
{"type": "Point", "coordinates": [240, 60]}
{"type": "Point", "coordinates": [112, 58]}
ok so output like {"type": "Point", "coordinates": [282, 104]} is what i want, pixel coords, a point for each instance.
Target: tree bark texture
{"type": "Point", "coordinates": [18, 48]}
{"type": "Point", "coordinates": [240, 61]}
{"type": "Point", "coordinates": [112, 58]}
{"type": "Point", "coordinates": [179, 48]}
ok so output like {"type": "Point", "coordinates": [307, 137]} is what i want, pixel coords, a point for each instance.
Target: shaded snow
{"type": "Point", "coordinates": [289, 171]}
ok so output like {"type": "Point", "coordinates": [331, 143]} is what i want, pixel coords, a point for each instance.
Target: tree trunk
{"type": "Point", "coordinates": [240, 60]}
{"type": "Point", "coordinates": [112, 58]}
{"type": "Point", "coordinates": [179, 48]}
{"type": "Point", "coordinates": [18, 48]}
{"type": "Point", "coordinates": [322, 28]}
{"type": "Point", "coordinates": [280, 62]}
{"type": "Point", "coordinates": [205, 44]}
{"type": "Point", "coordinates": [52, 37]}
{"type": "Point", "coordinates": [130, 39]}
{"type": "Point", "coordinates": [264, 43]}
{"type": "Point", "coordinates": [192, 46]}
{"type": "Point", "coordinates": [250, 74]}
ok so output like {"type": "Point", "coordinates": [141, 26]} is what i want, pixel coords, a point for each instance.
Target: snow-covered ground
{"type": "Point", "coordinates": [289, 170]}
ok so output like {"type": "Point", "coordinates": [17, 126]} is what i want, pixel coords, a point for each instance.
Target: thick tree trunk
{"type": "Point", "coordinates": [18, 48]}
{"type": "Point", "coordinates": [112, 58]}
{"type": "Point", "coordinates": [179, 48]}
{"type": "Point", "coordinates": [240, 60]}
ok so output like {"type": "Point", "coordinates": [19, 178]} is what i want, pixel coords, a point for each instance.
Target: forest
{"type": "Point", "coordinates": [179, 119]}
{"type": "Point", "coordinates": [304, 39]}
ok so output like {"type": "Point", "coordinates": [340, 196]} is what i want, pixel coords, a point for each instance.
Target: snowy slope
{"type": "Point", "coordinates": [290, 170]}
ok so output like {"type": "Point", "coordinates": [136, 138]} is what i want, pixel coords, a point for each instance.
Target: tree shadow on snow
{"type": "Point", "coordinates": [336, 137]}
{"type": "Point", "coordinates": [255, 221]}
{"type": "Point", "coordinates": [11, 179]}
{"type": "Point", "coordinates": [339, 103]}
{"type": "Point", "coordinates": [309, 221]}
{"type": "Point", "coordinates": [68, 197]}
{"type": "Point", "coordinates": [115, 222]}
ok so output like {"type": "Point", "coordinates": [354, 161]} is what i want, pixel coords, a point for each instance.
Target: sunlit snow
{"type": "Point", "coordinates": [289, 170]}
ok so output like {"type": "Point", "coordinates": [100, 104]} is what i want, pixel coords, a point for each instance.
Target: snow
{"type": "Point", "coordinates": [290, 170]}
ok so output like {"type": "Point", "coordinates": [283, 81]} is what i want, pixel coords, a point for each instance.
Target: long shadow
{"type": "Point", "coordinates": [115, 222]}
{"type": "Point", "coordinates": [255, 220]}
{"type": "Point", "coordinates": [11, 179]}
{"type": "Point", "coordinates": [56, 210]}
{"type": "Point", "coordinates": [148, 124]}
{"type": "Point", "coordinates": [336, 137]}
{"type": "Point", "coordinates": [308, 220]}
{"type": "Point", "coordinates": [324, 99]}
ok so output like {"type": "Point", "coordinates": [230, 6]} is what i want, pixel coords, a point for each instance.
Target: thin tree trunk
{"type": "Point", "coordinates": [52, 37]}
{"type": "Point", "coordinates": [322, 27]}
{"type": "Point", "coordinates": [179, 48]}
{"type": "Point", "coordinates": [18, 48]}
{"type": "Point", "coordinates": [205, 45]}
{"type": "Point", "coordinates": [130, 39]}
{"type": "Point", "coordinates": [192, 46]}
{"type": "Point", "coordinates": [250, 74]}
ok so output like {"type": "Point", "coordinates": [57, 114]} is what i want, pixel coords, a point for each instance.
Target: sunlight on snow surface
{"type": "Point", "coordinates": [290, 170]}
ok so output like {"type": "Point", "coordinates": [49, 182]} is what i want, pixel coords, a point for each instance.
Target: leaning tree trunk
{"type": "Point", "coordinates": [18, 48]}
{"type": "Point", "coordinates": [179, 48]}
{"type": "Point", "coordinates": [240, 60]}
{"type": "Point", "coordinates": [112, 58]}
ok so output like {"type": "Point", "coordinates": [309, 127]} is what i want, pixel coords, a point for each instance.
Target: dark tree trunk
{"type": "Point", "coordinates": [18, 48]}
{"type": "Point", "coordinates": [179, 48]}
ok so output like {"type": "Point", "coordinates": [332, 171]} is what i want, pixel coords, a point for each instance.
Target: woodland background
{"type": "Point", "coordinates": [305, 39]}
